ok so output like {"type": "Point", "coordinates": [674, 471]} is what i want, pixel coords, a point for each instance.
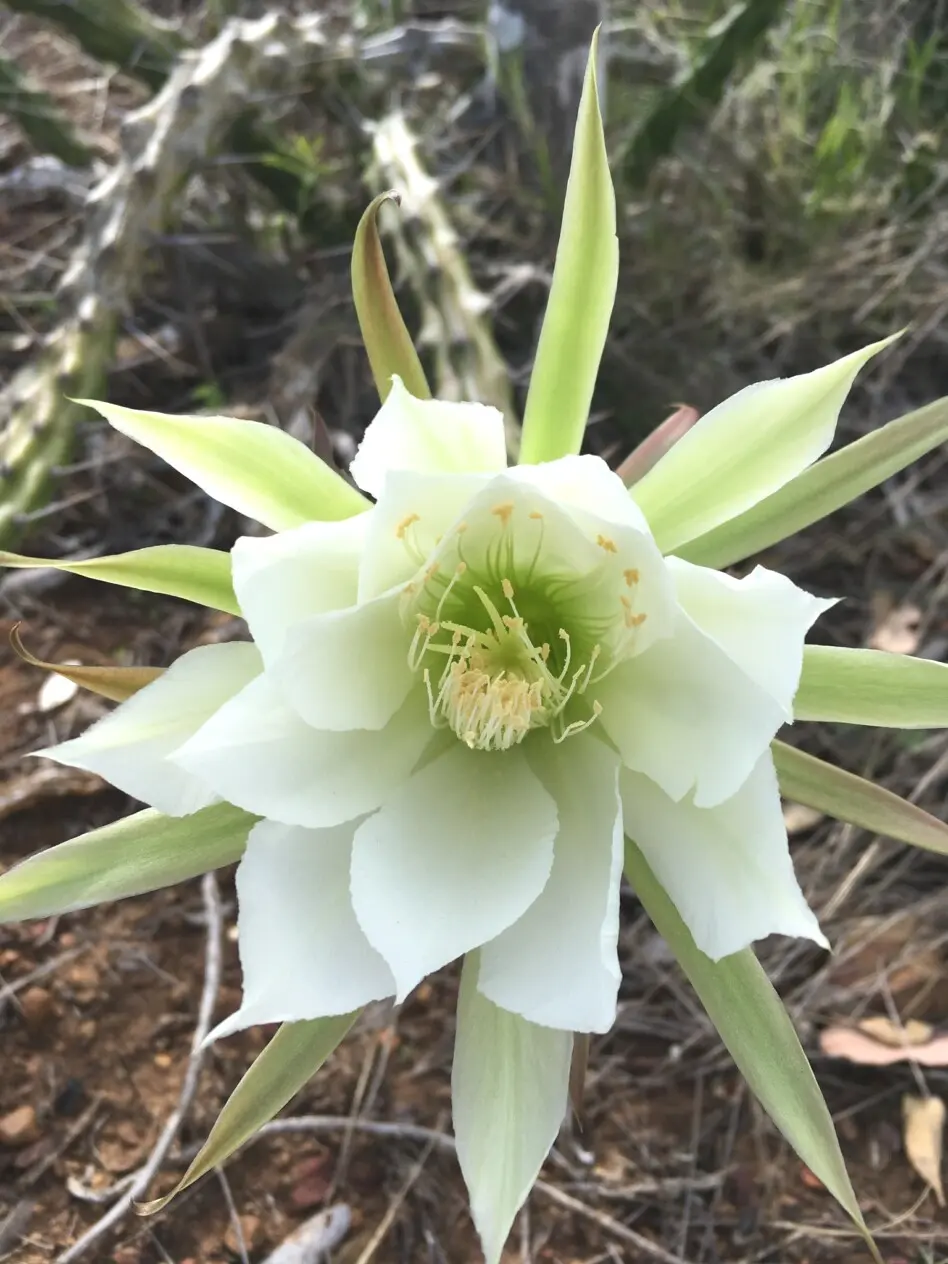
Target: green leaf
{"type": "Point", "coordinates": [751, 1020]}
{"type": "Point", "coordinates": [581, 295]}
{"type": "Point", "coordinates": [179, 570]}
{"type": "Point", "coordinates": [387, 341]}
{"type": "Point", "coordinates": [817, 784]}
{"type": "Point", "coordinates": [823, 488]}
{"type": "Point", "coordinates": [745, 450]}
{"type": "Point", "coordinates": [259, 470]}
{"type": "Point", "coordinates": [292, 1057]}
{"type": "Point", "coordinates": [116, 683]}
{"type": "Point", "coordinates": [129, 857]}
{"type": "Point", "coordinates": [895, 691]}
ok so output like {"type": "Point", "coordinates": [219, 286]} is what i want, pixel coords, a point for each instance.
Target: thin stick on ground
{"type": "Point", "coordinates": [212, 977]}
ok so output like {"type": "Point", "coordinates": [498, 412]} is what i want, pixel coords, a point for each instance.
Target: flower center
{"type": "Point", "coordinates": [495, 684]}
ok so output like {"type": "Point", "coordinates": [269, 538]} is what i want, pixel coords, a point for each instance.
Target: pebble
{"type": "Point", "coordinates": [251, 1227]}
{"type": "Point", "coordinates": [36, 1006]}
{"type": "Point", "coordinates": [20, 1127]}
{"type": "Point", "coordinates": [163, 1061]}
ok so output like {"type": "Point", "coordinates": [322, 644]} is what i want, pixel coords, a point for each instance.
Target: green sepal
{"type": "Point", "coordinates": [291, 1058]}
{"type": "Point", "coordinates": [140, 853]}
{"type": "Point", "coordinates": [817, 784]}
{"type": "Point", "coordinates": [581, 296]}
{"type": "Point", "coordinates": [177, 570]}
{"type": "Point", "coordinates": [823, 488]}
{"type": "Point", "coordinates": [256, 469]}
{"type": "Point", "coordinates": [387, 341]}
{"type": "Point", "coordinates": [854, 686]}
{"type": "Point", "coordinates": [751, 1020]}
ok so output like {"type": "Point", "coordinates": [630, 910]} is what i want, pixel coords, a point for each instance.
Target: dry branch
{"type": "Point", "coordinates": [456, 324]}
{"type": "Point", "coordinates": [163, 143]}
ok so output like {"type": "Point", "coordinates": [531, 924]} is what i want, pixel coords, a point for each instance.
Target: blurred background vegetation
{"type": "Point", "coordinates": [780, 169]}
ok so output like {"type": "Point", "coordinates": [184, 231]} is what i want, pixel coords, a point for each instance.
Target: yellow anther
{"type": "Point", "coordinates": [405, 523]}
{"type": "Point", "coordinates": [461, 528]}
{"type": "Point", "coordinates": [460, 568]}
{"type": "Point", "coordinates": [605, 543]}
{"type": "Point", "coordinates": [508, 589]}
{"type": "Point", "coordinates": [634, 620]}
{"type": "Point", "coordinates": [503, 512]}
{"type": "Point", "coordinates": [631, 576]}
{"type": "Point", "coordinates": [535, 514]}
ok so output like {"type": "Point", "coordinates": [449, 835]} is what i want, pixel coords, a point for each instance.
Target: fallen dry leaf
{"type": "Point", "coordinates": [923, 1120]}
{"type": "Point", "coordinates": [896, 627]}
{"type": "Point", "coordinates": [898, 1035]}
{"type": "Point", "coordinates": [856, 1046]}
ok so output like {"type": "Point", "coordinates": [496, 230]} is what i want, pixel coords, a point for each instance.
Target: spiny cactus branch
{"type": "Point", "coordinates": [456, 325]}
{"type": "Point", "coordinates": [162, 144]}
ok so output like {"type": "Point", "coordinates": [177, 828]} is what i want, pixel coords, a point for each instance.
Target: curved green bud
{"type": "Point", "coordinates": [259, 470]}
{"type": "Point", "coordinates": [893, 691]}
{"type": "Point", "coordinates": [178, 570]}
{"type": "Point", "coordinates": [823, 488]}
{"type": "Point", "coordinates": [581, 295]}
{"type": "Point", "coordinates": [129, 857]}
{"type": "Point", "coordinates": [294, 1054]}
{"type": "Point", "coordinates": [817, 784]}
{"type": "Point", "coordinates": [387, 341]}
{"type": "Point", "coordinates": [751, 1020]}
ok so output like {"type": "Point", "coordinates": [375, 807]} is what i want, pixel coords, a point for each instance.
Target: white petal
{"type": "Point", "coordinates": [429, 435]}
{"type": "Point", "coordinates": [686, 716]}
{"type": "Point", "coordinates": [131, 745]}
{"type": "Point", "coordinates": [347, 669]}
{"type": "Point", "coordinates": [586, 483]}
{"type": "Point", "coordinates": [256, 752]}
{"type": "Point", "coordinates": [760, 621]}
{"type": "Point", "coordinates": [509, 1089]}
{"type": "Point", "coordinates": [453, 858]}
{"type": "Point", "coordinates": [557, 965]}
{"type": "Point", "coordinates": [744, 449]}
{"type": "Point", "coordinates": [413, 513]}
{"type": "Point", "coordinates": [301, 950]}
{"type": "Point", "coordinates": [285, 578]}
{"type": "Point", "coordinates": [727, 869]}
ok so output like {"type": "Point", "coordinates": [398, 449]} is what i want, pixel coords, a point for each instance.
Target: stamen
{"type": "Point", "coordinates": [605, 543]}
{"type": "Point", "coordinates": [631, 576]}
{"type": "Point", "coordinates": [408, 521]}
{"type": "Point", "coordinates": [503, 512]}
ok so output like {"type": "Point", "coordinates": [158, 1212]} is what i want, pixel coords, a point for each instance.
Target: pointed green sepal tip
{"type": "Point", "coordinates": [259, 470]}
{"type": "Point", "coordinates": [582, 293]}
{"type": "Point", "coordinates": [753, 1023]}
{"type": "Point", "coordinates": [291, 1058]}
{"type": "Point", "coordinates": [175, 570]}
{"type": "Point", "coordinates": [387, 341]}
{"type": "Point", "coordinates": [847, 797]}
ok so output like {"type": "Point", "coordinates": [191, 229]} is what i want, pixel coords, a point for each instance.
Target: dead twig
{"type": "Point", "coordinates": [144, 1176]}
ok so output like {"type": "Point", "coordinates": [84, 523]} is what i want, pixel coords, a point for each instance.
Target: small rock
{"type": "Point", "coordinates": [36, 1006]}
{"type": "Point", "coordinates": [20, 1127]}
{"type": "Point", "coordinates": [83, 978]}
{"type": "Point", "coordinates": [251, 1228]}
{"type": "Point", "coordinates": [162, 1061]}
{"type": "Point", "coordinates": [127, 1255]}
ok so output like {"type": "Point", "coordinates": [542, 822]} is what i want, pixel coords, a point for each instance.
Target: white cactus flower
{"type": "Point", "coordinates": [455, 706]}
